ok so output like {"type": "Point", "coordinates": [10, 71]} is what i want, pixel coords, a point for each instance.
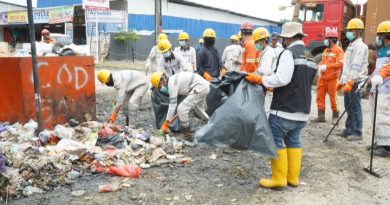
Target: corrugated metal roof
{"type": "Point", "coordinates": [53, 3]}
{"type": "Point", "coordinates": [193, 27]}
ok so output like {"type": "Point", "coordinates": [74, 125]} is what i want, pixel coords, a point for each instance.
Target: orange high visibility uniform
{"type": "Point", "coordinates": [327, 83]}
{"type": "Point", "coordinates": [250, 57]}
{"type": "Point", "coordinates": [385, 71]}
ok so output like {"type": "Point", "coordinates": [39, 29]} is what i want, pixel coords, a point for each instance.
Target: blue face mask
{"type": "Point", "coordinates": [164, 89]}
{"type": "Point", "coordinates": [378, 41]}
{"type": "Point", "coordinates": [259, 47]}
{"type": "Point", "coordinates": [166, 54]}
{"type": "Point", "coordinates": [326, 42]}
{"type": "Point", "coordinates": [182, 43]}
{"type": "Point", "coordinates": [350, 35]}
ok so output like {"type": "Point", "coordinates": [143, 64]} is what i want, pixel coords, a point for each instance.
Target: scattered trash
{"type": "Point", "coordinates": [63, 132]}
{"type": "Point", "coordinates": [44, 136]}
{"type": "Point", "coordinates": [132, 171]}
{"type": "Point", "coordinates": [2, 163]}
{"type": "Point", "coordinates": [30, 190]}
{"type": "Point", "coordinates": [108, 188]}
{"type": "Point", "coordinates": [214, 156]}
{"type": "Point", "coordinates": [73, 122]}
{"type": "Point", "coordinates": [78, 193]}
{"type": "Point", "coordinates": [73, 174]}
{"type": "Point", "coordinates": [114, 140]}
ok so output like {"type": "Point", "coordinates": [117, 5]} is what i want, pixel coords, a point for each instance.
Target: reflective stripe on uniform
{"type": "Point", "coordinates": [329, 55]}
{"type": "Point", "coordinates": [308, 63]}
{"type": "Point", "coordinates": [250, 60]}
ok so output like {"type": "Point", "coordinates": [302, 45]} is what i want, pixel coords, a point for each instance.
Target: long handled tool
{"type": "Point", "coordinates": [350, 103]}
{"type": "Point", "coordinates": [374, 171]}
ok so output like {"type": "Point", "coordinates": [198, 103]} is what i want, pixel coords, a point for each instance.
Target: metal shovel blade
{"type": "Point", "coordinates": [375, 171]}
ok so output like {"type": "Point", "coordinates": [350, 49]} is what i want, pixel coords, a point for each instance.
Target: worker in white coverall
{"type": "Point", "coordinates": [354, 72]}
{"type": "Point", "coordinates": [185, 50]}
{"type": "Point", "coordinates": [191, 85]}
{"type": "Point", "coordinates": [154, 55]}
{"type": "Point", "coordinates": [131, 86]}
{"type": "Point", "coordinates": [275, 44]}
{"type": "Point", "coordinates": [231, 55]}
{"type": "Point", "coordinates": [268, 59]}
{"type": "Point", "coordinates": [171, 62]}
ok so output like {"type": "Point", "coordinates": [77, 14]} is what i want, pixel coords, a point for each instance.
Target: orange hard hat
{"type": "Point", "coordinates": [45, 31]}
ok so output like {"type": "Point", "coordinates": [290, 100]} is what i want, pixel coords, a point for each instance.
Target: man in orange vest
{"type": "Point", "coordinates": [329, 72]}
{"type": "Point", "coordinates": [250, 55]}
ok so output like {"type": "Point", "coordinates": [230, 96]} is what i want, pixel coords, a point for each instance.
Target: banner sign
{"type": "Point", "coordinates": [4, 18]}
{"type": "Point", "coordinates": [17, 17]}
{"type": "Point", "coordinates": [41, 16]}
{"type": "Point", "coordinates": [96, 4]}
{"type": "Point", "coordinates": [61, 15]}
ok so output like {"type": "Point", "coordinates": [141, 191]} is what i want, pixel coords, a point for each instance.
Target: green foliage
{"type": "Point", "coordinates": [126, 36]}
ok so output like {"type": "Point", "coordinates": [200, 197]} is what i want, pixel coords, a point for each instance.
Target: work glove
{"type": "Point", "coordinates": [339, 86]}
{"type": "Point", "coordinates": [113, 117]}
{"type": "Point", "coordinates": [254, 79]}
{"type": "Point", "coordinates": [376, 81]}
{"type": "Point", "coordinates": [165, 127]}
{"type": "Point", "coordinates": [322, 68]}
{"type": "Point", "coordinates": [207, 76]}
{"type": "Point", "coordinates": [348, 86]}
{"type": "Point", "coordinates": [223, 71]}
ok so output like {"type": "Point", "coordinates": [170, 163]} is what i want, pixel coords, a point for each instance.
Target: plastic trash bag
{"type": "Point", "coordinates": [240, 123]}
{"type": "Point", "coordinates": [132, 171]}
{"type": "Point", "coordinates": [114, 140]}
{"type": "Point", "coordinates": [160, 104]}
{"type": "Point", "coordinates": [64, 132]}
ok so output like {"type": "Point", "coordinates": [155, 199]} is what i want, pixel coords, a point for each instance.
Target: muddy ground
{"type": "Point", "coordinates": [332, 173]}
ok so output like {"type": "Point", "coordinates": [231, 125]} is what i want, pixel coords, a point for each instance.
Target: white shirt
{"type": "Point", "coordinates": [182, 84]}
{"type": "Point", "coordinates": [126, 81]}
{"type": "Point", "coordinates": [189, 55]}
{"type": "Point", "coordinates": [278, 49]}
{"type": "Point", "coordinates": [355, 62]}
{"type": "Point", "coordinates": [231, 57]}
{"type": "Point", "coordinates": [267, 63]}
{"type": "Point", "coordinates": [281, 78]}
{"type": "Point", "coordinates": [173, 66]}
{"type": "Point", "coordinates": [154, 55]}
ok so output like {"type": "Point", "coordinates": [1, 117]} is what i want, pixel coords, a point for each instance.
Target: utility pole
{"type": "Point", "coordinates": [157, 18]}
{"type": "Point", "coordinates": [37, 97]}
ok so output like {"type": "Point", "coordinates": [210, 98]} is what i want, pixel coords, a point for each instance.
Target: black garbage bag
{"type": "Point", "coordinates": [240, 123]}
{"type": "Point", "coordinates": [114, 140]}
{"type": "Point", "coordinates": [160, 103]}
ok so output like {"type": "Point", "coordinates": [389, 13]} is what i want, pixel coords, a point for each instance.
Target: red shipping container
{"type": "Point", "coordinates": [67, 86]}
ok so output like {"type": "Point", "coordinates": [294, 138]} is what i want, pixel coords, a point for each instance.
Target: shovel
{"type": "Point", "coordinates": [374, 171]}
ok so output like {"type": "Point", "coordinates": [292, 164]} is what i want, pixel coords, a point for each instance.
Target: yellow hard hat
{"type": "Point", "coordinates": [163, 45]}
{"type": "Point", "coordinates": [201, 40]}
{"type": "Point", "coordinates": [239, 35]}
{"type": "Point", "coordinates": [355, 23]}
{"type": "Point", "coordinates": [155, 78]}
{"type": "Point", "coordinates": [260, 33]}
{"type": "Point", "coordinates": [162, 36]}
{"type": "Point", "coordinates": [209, 33]}
{"type": "Point", "coordinates": [234, 37]}
{"type": "Point", "coordinates": [384, 27]}
{"type": "Point", "coordinates": [183, 36]}
{"type": "Point", "coordinates": [104, 75]}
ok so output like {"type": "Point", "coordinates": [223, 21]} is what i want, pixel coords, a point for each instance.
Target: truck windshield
{"type": "Point", "coordinates": [311, 14]}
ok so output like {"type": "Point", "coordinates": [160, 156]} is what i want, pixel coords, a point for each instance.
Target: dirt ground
{"type": "Point", "coordinates": [332, 173]}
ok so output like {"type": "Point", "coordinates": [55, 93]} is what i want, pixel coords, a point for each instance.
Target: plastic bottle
{"type": "Point", "coordinates": [108, 188]}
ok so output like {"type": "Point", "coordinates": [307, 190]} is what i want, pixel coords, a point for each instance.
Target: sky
{"type": "Point", "coordinates": [267, 9]}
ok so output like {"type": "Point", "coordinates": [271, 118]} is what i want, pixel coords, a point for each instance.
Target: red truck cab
{"type": "Point", "coordinates": [319, 16]}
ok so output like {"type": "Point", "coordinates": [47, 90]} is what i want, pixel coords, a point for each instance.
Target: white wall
{"type": "Point", "coordinates": [21, 2]}
{"type": "Point", "coordinates": [179, 10]}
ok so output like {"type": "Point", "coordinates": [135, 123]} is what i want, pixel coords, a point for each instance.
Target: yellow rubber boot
{"type": "Point", "coordinates": [294, 157]}
{"type": "Point", "coordinates": [279, 172]}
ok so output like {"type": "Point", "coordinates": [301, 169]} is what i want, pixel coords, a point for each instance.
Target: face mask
{"type": "Point", "coordinates": [166, 54]}
{"type": "Point", "coordinates": [350, 35]}
{"type": "Point", "coordinates": [378, 41]}
{"type": "Point", "coordinates": [164, 89]}
{"type": "Point", "coordinates": [182, 43]}
{"type": "Point", "coordinates": [326, 42]}
{"type": "Point", "coordinates": [259, 47]}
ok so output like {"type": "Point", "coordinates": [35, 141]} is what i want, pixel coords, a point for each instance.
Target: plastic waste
{"type": "Point", "coordinates": [132, 171]}
{"type": "Point", "coordinates": [44, 136]}
{"type": "Point", "coordinates": [63, 132]}
{"type": "Point", "coordinates": [108, 188]}
{"type": "Point", "coordinates": [106, 131]}
{"type": "Point", "coordinates": [69, 145]}
{"type": "Point", "coordinates": [31, 126]}
{"type": "Point", "coordinates": [2, 163]}
{"type": "Point", "coordinates": [73, 122]}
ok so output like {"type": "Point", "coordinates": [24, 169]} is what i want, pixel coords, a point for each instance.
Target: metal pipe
{"type": "Point", "coordinates": [34, 65]}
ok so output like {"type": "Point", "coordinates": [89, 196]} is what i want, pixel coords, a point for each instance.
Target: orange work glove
{"type": "Point", "coordinates": [165, 127]}
{"type": "Point", "coordinates": [223, 71]}
{"type": "Point", "coordinates": [348, 86]}
{"type": "Point", "coordinates": [207, 76]}
{"type": "Point", "coordinates": [113, 117]}
{"type": "Point", "coordinates": [339, 86]}
{"type": "Point", "coordinates": [254, 79]}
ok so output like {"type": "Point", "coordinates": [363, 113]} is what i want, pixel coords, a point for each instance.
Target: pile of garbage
{"type": "Point", "coordinates": [34, 163]}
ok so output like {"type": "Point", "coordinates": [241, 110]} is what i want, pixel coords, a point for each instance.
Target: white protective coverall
{"type": "Point", "coordinates": [195, 87]}
{"type": "Point", "coordinates": [176, 65]}
{"type": "Point", "coordinates": [267, 63]}
{"type": "Point", "coordinates": [355, 62]}
{"type": "Point", "coordinates": [231, 57]}
{"type": "Point", "coordinates": [154, 56]}
{"type": "Point", "coordinates": [131, 86]}
{"type": "Point", "coordinates": [189, 55]}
